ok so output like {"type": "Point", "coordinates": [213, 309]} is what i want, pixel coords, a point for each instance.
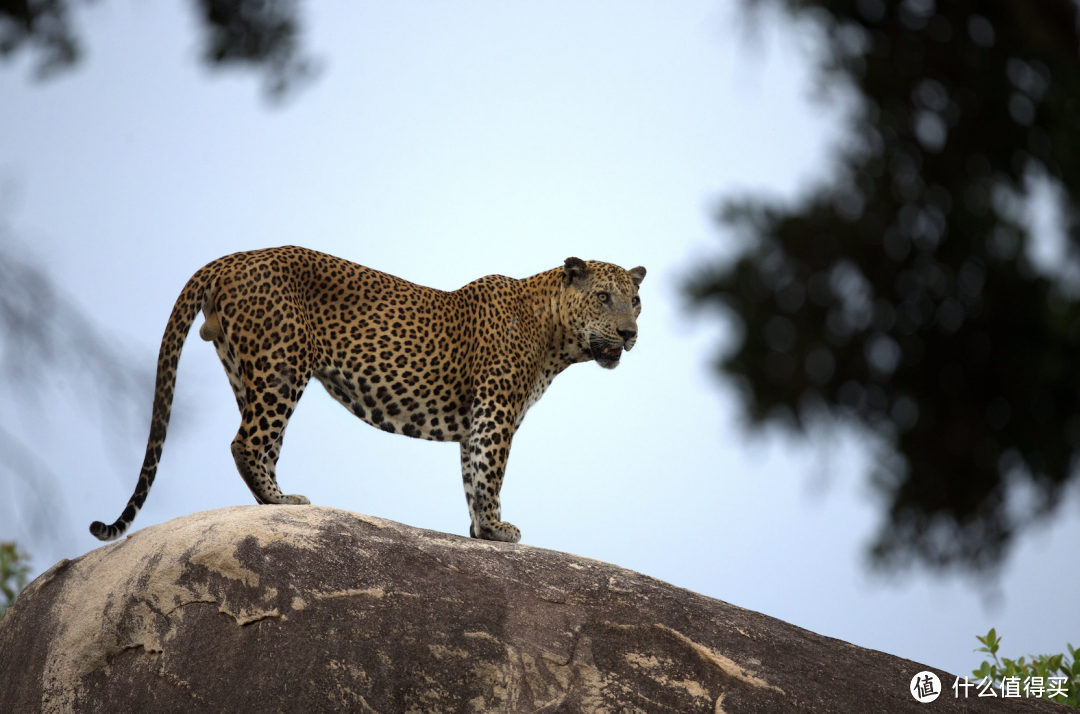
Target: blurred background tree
{"type": "Point", "coordinates": [43, 332]}
{"type": "Point", "coordinates": [260, 34]}
{"type": "Point", "coordinates": [901, 295]}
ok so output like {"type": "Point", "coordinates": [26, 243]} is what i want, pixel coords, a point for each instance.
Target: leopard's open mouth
{"type": "Point", "coordinates": [606, 354]}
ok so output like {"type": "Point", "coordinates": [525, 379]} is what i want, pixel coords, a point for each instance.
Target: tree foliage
{"type": "Point", "coordinates": [42, 331]}
{"type": "Point", "coordinates": [900, 294]}
{"type": "Point", "coordinates": [259, 34]}
{"type": "Point", "coordinates": [14, 570]}
{"type": "Point", "coordinates": [1054, 677]}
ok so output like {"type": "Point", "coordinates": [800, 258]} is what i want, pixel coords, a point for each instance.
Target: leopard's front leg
{"type": "Point", "coordinates": [483, 464]}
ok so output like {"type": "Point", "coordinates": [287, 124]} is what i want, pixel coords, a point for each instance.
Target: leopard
{"type": "Point", "coordinates": [460, 366]}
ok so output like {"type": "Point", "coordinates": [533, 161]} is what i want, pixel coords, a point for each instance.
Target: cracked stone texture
{"type": "Point", "coordinates": [313, 609]}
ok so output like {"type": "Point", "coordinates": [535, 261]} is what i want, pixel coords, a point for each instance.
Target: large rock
{"type": "Point", "coordinates": [309, 609]}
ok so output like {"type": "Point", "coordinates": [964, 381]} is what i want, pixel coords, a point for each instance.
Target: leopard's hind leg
{"type": "Point", "coordinates": [211, 330]}
{"type": "Point", "coordinates": [266, 401]}
{"type": "Point", "coordinates": [270, 396]}
{"type": "Point", "coordinates": [272, 458]}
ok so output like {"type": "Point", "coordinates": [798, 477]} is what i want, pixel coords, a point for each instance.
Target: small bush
{"type": "Point", "coordinates": [1051, 677]}
{"type": "Point", "coordinates": [14, 569]}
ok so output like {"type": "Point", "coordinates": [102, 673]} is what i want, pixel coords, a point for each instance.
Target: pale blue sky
{"type": "Point", "coordinates": [443, 142]}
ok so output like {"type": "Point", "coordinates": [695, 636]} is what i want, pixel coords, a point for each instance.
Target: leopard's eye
{"type": "Point", "coordinates": [603, 297]}
{"type": "Point", "coordinates": [635, 301]}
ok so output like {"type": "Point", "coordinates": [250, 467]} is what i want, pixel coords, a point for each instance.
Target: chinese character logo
{"type": "Point", "coordinates": [925, 687]}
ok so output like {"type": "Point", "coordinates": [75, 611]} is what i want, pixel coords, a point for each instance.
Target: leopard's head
{"type": "Point", "coordinates": [600, 306]}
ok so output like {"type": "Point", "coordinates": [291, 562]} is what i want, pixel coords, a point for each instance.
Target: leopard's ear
{"type": "Point", "coordinates": [637, 275]}
{"type": "Point", "coordinates": [573, 268]}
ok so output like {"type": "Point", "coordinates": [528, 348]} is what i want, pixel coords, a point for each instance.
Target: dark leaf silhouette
{"type": "Point", "coordinates": [44, 339]}
{"type": "Point", "coordinates": [900, 295]}
{"type": "Point", "coordinates": [257, 34]}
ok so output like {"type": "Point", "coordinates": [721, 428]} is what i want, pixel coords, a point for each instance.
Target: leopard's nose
{"type": "Point", "coordinates": [627, 335]}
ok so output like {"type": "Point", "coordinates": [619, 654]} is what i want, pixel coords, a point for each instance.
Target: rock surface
{"type": "Point", "coordinates": [312, 609]}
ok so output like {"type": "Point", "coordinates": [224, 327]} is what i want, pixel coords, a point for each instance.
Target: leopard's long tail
{"type": "Point", "coordinates": [191, 300]}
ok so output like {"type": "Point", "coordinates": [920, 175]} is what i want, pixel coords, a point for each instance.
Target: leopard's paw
{"type": "Point", "coordinates": [497, 530]}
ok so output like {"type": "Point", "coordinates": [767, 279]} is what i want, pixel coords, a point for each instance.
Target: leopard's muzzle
{"type": "Point", "coordinates": [607, 353]}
